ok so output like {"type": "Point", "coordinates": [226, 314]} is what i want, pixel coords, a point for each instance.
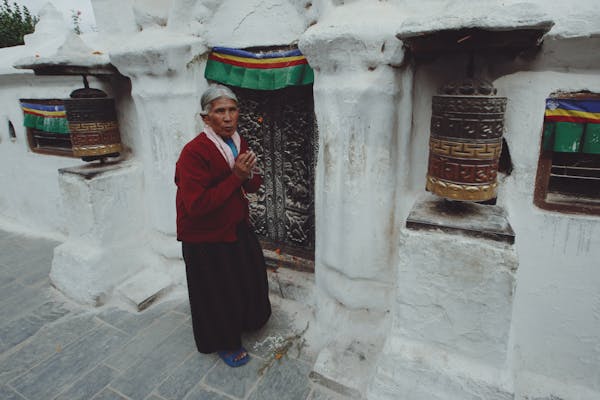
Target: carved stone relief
{"type": "Point", "coordinates": [280, 127]}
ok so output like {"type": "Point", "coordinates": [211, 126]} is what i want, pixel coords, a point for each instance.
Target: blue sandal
{"type": "Point", "coordinates": [235, 358]}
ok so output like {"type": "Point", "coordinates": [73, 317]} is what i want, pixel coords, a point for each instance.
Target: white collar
{"type": "Point", "coordinates": [223, 147]}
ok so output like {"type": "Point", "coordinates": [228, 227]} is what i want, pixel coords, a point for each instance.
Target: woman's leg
{"type": "Point", "coordinates": [215, 298]}
{"type": "Point", "coordinates": [253, 274]}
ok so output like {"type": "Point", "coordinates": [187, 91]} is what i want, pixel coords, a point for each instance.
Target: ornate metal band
{"type": "Point", "coordinates": [89, 143]}
{"type": "Point", "coordinates": [95, 137]}
{"type": "Point", "coordinates": [474, 117]}
{"type": "Point", "coordinates": [92, 150]}
{"type": "Point", "coordinates": [462, 171]}
{"type": "Point", "coordinates": [456, 191]}
{"type": "Point", "coordinates": [93, 126]}
{"type": "Point", "coordinates": [468, 104]}
{"type": "Point", "coordinates": [471, 128]}
{"type": "Point", "coordinates": [466, 149]}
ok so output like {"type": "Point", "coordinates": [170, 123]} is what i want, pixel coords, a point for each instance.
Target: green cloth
{"type": "Point", "coordinates": [571, 137]}
{"type": "Point", "coordinates": [591, 143]}
{"type": "Point", "coordinates": [53, 125]}
{"type": "Point", "coordinates": [259, 79]}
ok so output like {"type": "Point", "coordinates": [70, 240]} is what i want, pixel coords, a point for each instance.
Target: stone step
{"type": "Point", "coordinates": [346, 367]}
{"type": "Point", "coordinates": [292, 285]}
{"type": "Point", "coordinates": [144, 288]}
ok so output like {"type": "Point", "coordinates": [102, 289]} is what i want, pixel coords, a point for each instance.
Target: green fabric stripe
{"type": "Point", "coordinates": [548, 136]}
{"type": "Point", "coordinates": [259, 79]}
{"type": "Point", "coordinates": [567, 137]}
{"type": "Point", "coordinates": [54, 125]}
{"type": "Point", "coordinates": [591, 144]}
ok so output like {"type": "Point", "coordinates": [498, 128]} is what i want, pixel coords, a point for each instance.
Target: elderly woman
{"type": "Point", "coordinates": [225, 267]}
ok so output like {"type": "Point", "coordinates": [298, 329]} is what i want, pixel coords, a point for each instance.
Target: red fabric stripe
{"type": "Point", "coordinates": [44, 115]}
{"type": "Point", "coordinates": [561, 118]}
{"type": "Point", "coordinates": [258, 66]}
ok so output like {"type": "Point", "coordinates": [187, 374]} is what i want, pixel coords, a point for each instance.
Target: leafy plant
{"type": "Point", "coordinates": [15, 22]}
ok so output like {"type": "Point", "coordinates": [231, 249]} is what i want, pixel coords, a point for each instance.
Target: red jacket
{"type": "Point", "coordinates": [210, 200]}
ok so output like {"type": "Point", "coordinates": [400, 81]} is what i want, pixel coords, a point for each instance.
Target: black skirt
{"type": "Point", "coordinates": [228, 290]}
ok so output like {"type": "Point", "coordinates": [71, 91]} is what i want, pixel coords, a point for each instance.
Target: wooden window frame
{"type": "Point", "coordinates": [39, 146]}
{"type": "Point", "coordinates": [563, 203]}
{"type": "Point", "coordinates": [36, 147]}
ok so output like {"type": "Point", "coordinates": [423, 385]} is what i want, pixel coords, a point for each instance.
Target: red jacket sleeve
{"type": "Point", "coordinates": [252, 185]}
{"type": "Point", "coordinates": [200, 192]}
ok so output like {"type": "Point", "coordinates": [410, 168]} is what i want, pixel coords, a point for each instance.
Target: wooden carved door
{"type": "Point", "coordinates": [280, 127]}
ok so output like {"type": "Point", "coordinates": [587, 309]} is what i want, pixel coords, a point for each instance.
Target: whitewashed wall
{"type": "Point", "coordinates": [557, 305]}
{"type": "Point", "coordinates": [555, 343]}
{"type": "Point", "coordinates": [30, 198]}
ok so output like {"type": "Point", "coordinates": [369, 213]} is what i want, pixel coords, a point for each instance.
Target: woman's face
{"type": "Point", "coordinates": [223, 117]}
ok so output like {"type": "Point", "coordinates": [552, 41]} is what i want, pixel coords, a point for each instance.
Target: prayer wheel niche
{"type": "Point", "coordinates": [467, 123]}
{"type": "Point", "coordinates": [93, 124]}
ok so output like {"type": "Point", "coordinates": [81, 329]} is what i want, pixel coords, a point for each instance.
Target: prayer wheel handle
{"type": "Point", "coordinates": [86, 92]}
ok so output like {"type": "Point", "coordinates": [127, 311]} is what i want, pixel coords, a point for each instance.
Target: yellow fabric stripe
{"type": "Point", "coordinates": [259, 61]}
{"type": "Point", "coordinates": [47, 113]}
{"type": "Point", "coordinates": [571, 113]}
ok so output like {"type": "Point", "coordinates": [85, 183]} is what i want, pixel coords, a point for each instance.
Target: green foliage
{"type": "Point", "coordinates": [15, 22]}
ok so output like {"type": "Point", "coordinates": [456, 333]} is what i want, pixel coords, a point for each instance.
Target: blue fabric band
{"type": "Point", "coordinates": [230, 143]}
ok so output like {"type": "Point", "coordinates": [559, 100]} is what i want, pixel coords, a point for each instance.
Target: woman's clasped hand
{"type": "Point", "coordinates": [244, 164]}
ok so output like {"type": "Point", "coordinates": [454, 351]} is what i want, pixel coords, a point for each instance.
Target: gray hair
{"type": "Point", "coordinates": [213, 93]}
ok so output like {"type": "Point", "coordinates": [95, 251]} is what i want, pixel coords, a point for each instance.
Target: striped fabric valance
{"type": "Point", "coordinates": [45, 115]}
{"type": "Point", "coordinates": [260, 71]}
{"type": "Point", "coordinates": [572, 126]}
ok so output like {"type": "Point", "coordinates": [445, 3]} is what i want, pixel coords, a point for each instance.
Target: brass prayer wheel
{"type": "Point", "coordinates": [93, 124]}
{"type": "Point", "coordinates": [467, 123]}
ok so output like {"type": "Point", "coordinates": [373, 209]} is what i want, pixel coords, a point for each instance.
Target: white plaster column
{"type": "Point", "coordinates": [357, 90]}
{"type": "Point", "coordinates": [166, 72]}
{"type": "Point", "coordinates": [104, 221]}
{"type": "Point", "coordinates": [356, 95]}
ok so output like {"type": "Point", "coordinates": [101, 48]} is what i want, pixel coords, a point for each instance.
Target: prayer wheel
{"type": "Point", "coordinates": [93, 124]}
{"type": "Point", "coordinates": [467, 123]}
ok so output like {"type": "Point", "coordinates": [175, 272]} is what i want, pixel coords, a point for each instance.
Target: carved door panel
{"type": "Point", "coordinates": [280, 127]}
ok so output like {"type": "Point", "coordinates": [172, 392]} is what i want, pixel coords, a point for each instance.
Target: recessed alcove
{"type": "Point", "coordinates": [11, 131]}
{"type": "Point", "coordinates": [458, 263]}
{"type": "Point", "coordinates": [505, 40]}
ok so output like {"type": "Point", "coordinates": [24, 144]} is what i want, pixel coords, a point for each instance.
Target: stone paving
{"type": "Point", "coordinates": [51, 348]}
